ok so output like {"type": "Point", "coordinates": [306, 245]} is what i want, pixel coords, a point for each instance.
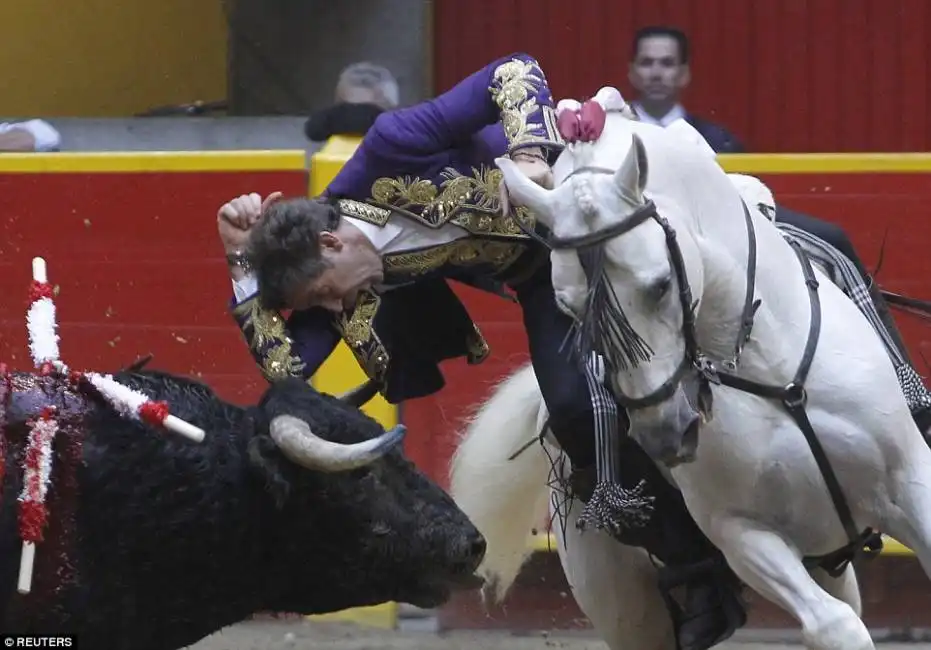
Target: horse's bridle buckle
{"type": "Point", "coordinates": [794, 395]}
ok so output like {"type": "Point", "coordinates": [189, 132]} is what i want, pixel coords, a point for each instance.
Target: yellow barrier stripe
{"type": "Point", "coordinates": [262, 160]}
{"type": "Point", "coordinates": [541, 543]}
{"type": "Point", "coordinates": [826, 163]}
{"type": "Point", "coordinates": [152, 161]}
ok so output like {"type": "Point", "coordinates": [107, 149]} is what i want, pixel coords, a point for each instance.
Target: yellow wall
{"type": "Point", "coordinates": [110, 58]}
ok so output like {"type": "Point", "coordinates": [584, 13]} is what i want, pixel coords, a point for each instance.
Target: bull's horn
{"type": "Point", "coordinates": [360, 395]}
{"type": "Point", "coordinates": [302, 446]}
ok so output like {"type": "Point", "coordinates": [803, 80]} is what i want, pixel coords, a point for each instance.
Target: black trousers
{"type": "Point", "coordinates": [671, 534]}
{"type": "Point", "coordinates": [829, 232]}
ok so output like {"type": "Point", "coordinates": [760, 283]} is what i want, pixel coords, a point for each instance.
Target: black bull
{"type": "Point", "coordinates": [155, 541]}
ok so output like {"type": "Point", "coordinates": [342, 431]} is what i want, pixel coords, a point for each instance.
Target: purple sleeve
{"type": "Point", "coordinates": [512, 90]}
{"type": "Point", "coordinates": [293, 348]}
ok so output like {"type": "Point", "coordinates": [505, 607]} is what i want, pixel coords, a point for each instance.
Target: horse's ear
{"type": "Point", "coordinates": [521, 190]}
{"type": "Point", "coordinates": [631, 176]}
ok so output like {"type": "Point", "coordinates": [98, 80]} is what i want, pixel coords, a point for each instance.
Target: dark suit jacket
{"type": "Point", "coordinates": [718, 138]}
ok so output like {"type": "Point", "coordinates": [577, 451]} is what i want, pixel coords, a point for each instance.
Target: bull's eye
{"type": "Point", "coordinates": [380, 528]}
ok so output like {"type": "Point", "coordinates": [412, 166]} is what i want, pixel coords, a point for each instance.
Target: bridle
{"type": "Point", "coordinates": [694, 360]}
{"type": "Point", "coordinates": [792, 395]}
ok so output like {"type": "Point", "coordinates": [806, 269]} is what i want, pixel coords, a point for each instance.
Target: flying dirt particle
{"type": "Point", "coordinates": [56, 290]}
{"type": "Point", "coordinates": [112, 342]}
{"type": "Point", "coordinates": [87, 223]}
{"type": "Point", "coordinates": [180, 339]}
{"type": "Point", "coordinates": [109, 312]}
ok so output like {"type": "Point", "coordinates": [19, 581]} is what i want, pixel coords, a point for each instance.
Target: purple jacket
{"type": "Point", "coordinates": [432, 163]}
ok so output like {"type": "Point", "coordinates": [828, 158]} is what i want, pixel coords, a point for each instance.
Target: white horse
{"type": "Point", "coordinates": [753, 484]}
{"type": "Point", "coordinates": [614, 585]}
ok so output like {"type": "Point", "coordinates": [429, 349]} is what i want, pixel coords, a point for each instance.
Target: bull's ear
{"type": "Point", "coordinates": [523, 191]}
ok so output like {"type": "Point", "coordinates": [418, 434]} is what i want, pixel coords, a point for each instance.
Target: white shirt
{"type": "Point", "coordinates": [677, 112]}
{"type": "Point", "coordinates": [394, 237]}
{"type": "Point", "coordinates": [46, 136]}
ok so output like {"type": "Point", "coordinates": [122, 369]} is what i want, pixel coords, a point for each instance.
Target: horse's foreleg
{"type": "Point", "coordinates": [845, 588]}
{"type": "Point", "coordinates": [769, 565]}
{"type": "Point", "coordinates": [615, 586]}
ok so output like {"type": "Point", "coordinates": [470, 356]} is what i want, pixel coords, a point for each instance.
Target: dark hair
{"type": "Point", "coordinates": [284, 247]}
{"type": "Point", "coordinates": [661, 30]}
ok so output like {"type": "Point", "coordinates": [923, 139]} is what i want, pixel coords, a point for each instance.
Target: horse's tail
{"type": "Point", "coordinates": [504, 497]}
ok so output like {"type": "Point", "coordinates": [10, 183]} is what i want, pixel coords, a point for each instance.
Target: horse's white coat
{"type": "Point", "coordinates": [754, 487]}
{"type": "Point", "coordinates": [614, 585]}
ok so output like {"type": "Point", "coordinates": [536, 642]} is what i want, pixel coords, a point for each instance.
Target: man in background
{"type": "Point", "coordinates": [659, 72]}
{"type": "Point", "coordinates": [363, 92]}
{"type": "Point", "coordinates": [32, 135]}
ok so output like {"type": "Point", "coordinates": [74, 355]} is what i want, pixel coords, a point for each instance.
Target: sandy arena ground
{"type": "Point", "coordinates": [294, 635]}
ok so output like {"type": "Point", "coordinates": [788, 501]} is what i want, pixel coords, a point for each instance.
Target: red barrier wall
{"type": "Point", "coordinates": [131, 241]}
{"type": "Point", "coordinates": [785, 76]}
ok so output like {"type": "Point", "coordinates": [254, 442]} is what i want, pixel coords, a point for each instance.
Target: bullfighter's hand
{"type": "Point", "coordinates": [236, 218]}
{"type": "Point", "coordinates": [532, 163]}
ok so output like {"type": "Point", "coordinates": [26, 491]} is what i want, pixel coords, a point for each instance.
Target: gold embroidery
{"type": "Point", "coordinates": [421, 199]}
{"type": "Point", "coordinates": [278, 363]}
{"type": "Point", "coordinates": [364, 211]}
{"type": "Point", "coordinates": [358, 332]}
{"type": "Point", "coordinates": [476, 346]}
{"type": "Point", "coordinates": [471, 202]}
{"type": "Point", "coordinates": [552, 130]}
{"type": "Point", "coordinates": [514, 89]}
{"type": "Point", "coordinates": [269, 340]}
{"type": "Point", "coordinates": [406, 266]}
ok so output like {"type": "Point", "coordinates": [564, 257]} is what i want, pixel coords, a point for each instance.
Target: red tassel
{"type": "Point", "coordinates": [39, 290]}
{"type": "Point", "coordinates": [154, 412]}
{"type": "Point", "coordinates": [584, 125]}
{"type": "Point", "coordinates": [32, 519]}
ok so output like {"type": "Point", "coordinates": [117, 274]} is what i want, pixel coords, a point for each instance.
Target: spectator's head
{"type": "Point", "coordinates": [659, 67]}
{"type": "Point", "coordinates": [367, 83]}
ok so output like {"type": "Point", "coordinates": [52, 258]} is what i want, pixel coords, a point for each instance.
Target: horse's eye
{"type": "Point", "coordinates": [660, 288]}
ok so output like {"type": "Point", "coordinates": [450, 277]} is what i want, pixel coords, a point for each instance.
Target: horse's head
{"type": "Point", "coordinates": [627, 271]}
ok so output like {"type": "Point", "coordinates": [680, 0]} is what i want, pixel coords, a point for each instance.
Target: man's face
{"type": "Point", "coordinates": [657, 72]}
{"type": "Point", "coordinates": [352, 268]}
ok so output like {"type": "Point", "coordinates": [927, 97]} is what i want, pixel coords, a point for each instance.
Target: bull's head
{"type": "Point", "coordinates": [359, 518]}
